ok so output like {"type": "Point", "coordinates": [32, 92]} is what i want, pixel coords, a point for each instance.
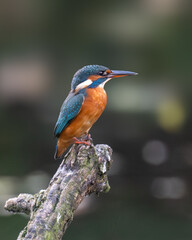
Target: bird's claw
{"type": "Point", "coordinates": [78, 141]}
{"type": "Point", "coordinates": [88, 136]}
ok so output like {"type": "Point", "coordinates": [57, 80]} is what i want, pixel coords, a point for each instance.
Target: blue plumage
{"type": "Point", "coordinates": [83, 74]}
{"type": "Point", "coordinates": [69, 110]}
{"type": "Point", "coordinates": [85, 79]}
{"type": "Point", "coordinates": [97, 82]}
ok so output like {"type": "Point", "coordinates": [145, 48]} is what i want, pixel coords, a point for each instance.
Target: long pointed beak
{"type": "Point", "coordinates": [117, 73]}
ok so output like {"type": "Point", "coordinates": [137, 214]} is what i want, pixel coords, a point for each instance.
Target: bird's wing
{"type": "Point", "coordinates": [69, 110]}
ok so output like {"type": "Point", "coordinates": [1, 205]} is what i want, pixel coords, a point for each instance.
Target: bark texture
{"type": "Point", "coordinates": [82, 172]}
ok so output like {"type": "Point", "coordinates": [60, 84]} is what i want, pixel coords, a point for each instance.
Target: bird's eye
{"type": "Point", "coordinates": [103, 73]}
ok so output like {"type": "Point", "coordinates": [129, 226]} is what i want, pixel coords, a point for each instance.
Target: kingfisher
{"type": "Point", "coordinates": [84, 105]}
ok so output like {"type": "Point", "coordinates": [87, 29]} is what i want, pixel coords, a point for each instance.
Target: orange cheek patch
{"type": "Point", "coordinates": [108, 71]}
{"type": "Point", "coordinates": [94, 77]}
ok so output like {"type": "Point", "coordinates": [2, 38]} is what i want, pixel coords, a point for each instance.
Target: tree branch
{"type": "Point", "coordinates": [82, 172]}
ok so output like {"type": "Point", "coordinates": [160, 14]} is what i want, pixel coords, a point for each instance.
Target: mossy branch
{"type": "Point", "coordinates": [82, 172]}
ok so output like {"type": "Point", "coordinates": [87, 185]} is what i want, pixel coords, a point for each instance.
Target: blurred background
{"type": "Point", "coordinates": [147, 122]}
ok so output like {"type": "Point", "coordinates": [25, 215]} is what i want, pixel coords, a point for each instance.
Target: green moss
{"type": "Point", "coordinates": [107, 189]}
{"type": "Point", "coordinates": [24, 232]}
{"type": "Point", "coordinates": [49, 236]}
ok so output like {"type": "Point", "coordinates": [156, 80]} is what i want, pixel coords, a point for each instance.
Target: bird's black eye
{"type": "Point", "coordinates": [103, 73]}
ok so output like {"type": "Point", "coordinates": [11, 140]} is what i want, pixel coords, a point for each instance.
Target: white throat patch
{"type": "Point", "coordinates": [103, 84]}
{"type": "Point", "coordinates": [83, 84]}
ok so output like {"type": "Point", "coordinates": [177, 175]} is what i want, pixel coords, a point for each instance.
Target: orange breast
{"type": "Point", "coordinates": [93, 106]}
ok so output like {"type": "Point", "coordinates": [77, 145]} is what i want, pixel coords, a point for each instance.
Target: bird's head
{"type": "Point", "coordinates": [91, 76]}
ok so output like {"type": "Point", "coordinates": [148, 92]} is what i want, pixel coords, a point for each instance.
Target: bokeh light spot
{"type": "Point", "coordinates": [171, 115]}
{"type": "Point", "coordinates": [155, 152]}
{"type": "Point", "coordinates": [168, 188]}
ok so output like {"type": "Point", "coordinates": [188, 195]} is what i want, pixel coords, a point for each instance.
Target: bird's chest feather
{"type": "Point", "coordinates": [95, 102]}
{"type": "Point", "coordinates": [93, 106]}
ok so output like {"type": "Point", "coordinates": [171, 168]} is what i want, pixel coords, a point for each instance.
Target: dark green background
{"type": "Point", "coordinates": [42, 44]}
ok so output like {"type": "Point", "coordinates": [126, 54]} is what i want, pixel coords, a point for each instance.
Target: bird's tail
{"type": "Point", "coordinates": [58, 154]}
{"type": "Point", "coordinates": [59, 151]}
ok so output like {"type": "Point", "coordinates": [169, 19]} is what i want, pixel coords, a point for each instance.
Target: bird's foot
{"type": "Point", "coordinates": [78, 141]}
{"type": "Point", "coordinates": [88, 136]}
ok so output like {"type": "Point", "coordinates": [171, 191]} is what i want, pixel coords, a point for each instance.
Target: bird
{"type": "Point", "coordinates": [84, 104]}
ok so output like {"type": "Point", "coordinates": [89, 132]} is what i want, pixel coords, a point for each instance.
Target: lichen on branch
{"type": "Point", "coordinates": [83, 171]}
